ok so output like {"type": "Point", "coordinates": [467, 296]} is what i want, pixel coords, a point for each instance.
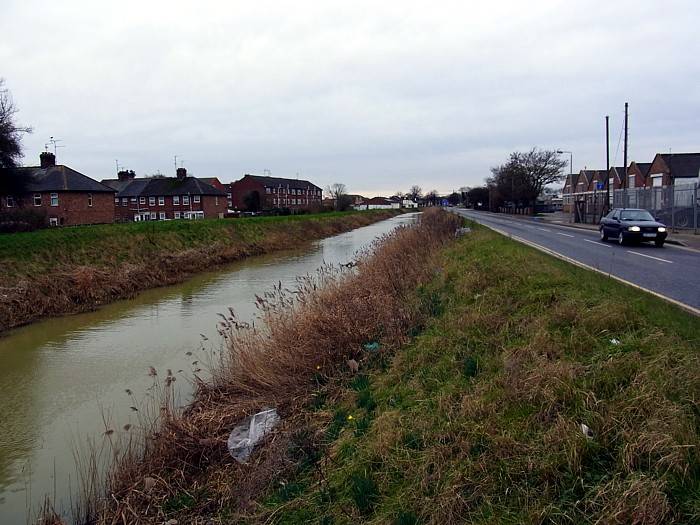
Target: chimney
{"type": "Point", "coordinates": [47, 159]}
{"type": "Point", "coordinates": [181, 173]}
{"type": "Point", "coordinates": [126, 175]}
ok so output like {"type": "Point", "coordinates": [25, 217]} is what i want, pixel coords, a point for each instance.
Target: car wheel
{"type": "Point", "coordinates": [659, 244]}
{"type": "Point", "coordinates": [621, 239]}
{"type": "Point", "coordinates": [603, 235]}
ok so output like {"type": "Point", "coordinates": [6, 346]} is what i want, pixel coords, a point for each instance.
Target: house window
{"type": "Point", "coordinates": [54, 199]}
{"type": "Point", "coordinates": [177, 214]}
{"type": "Point", "coordinates": [656, 181]}
{"type": "Point", "coordinates": [196, 198]}
{"type": "Point", "coordinates": [268, 189]}
{"type": "Point", "coordinates": [153, 216]}
{"type": "Point", "coordinates": [10, 201]}
{"type": "Point", "coordinates": [125, 201]}
{"type": "Point", "coordinates": [630, 181]}
{"type": "Point", "coordinates": [37, 199]}
{"type": "Point", "coordinates": [151, 201]}
{"type": "Point", "coordinates": [132, 200]}
{"type": "Point", "coordinates": [142, 200]}
{"type": "Point", "coordinates": [176, 200]}
{"type": "Point", "coordinates": [162, 216]}
{"type": "Point", "coordinates": [116, 201]}
{"type": "Point", "coordinates": [90, 200]}
{"type": "Point", "coordinates": [161, 201]}
{"type": "Point", "coordinates": [185, 199]}
{"type": "Point", "coordinates": [216, 200]}
{"type": "Point", "coordinates": [53, 221]}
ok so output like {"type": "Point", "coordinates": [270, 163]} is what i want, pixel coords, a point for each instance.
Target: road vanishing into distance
{"type": "Point", "coordinates": [671, 271]}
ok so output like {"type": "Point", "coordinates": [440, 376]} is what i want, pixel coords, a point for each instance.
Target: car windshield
{"type": "Point", "coordinates": [636, 215]}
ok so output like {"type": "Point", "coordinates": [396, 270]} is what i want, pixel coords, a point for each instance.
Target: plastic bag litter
{"type": "Point", "coordinates": [372, 347]}
{"type": "Point", "coordinates": [462, 231]}
{"type": "Point", "coordinates": [249, 432]}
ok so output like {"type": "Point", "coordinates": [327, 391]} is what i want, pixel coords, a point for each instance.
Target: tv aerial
{"type": "Point", "coordinates": [55, 143]}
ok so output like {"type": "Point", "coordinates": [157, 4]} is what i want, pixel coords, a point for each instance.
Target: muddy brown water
{"type": "Point", "coordinates": [64, 381]}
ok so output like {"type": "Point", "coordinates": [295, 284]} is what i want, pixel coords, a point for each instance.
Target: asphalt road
{"type": "Point", "coordinates": [671, 271]}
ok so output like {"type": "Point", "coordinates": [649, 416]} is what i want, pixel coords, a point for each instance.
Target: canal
{"type": "Point", "coordinates": [67, 380]}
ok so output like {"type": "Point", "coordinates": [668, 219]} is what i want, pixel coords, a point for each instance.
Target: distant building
{"type": "Point", "coordinates": [165, 198]}
{"type": "Point", "coordinates": [255, 193]}
{"type": "Point", "coordinates": [378, 203]}
{"type": "Point", "coordinates": [64, 195]}
{"type": "Point", "coordinates": [215, 182]}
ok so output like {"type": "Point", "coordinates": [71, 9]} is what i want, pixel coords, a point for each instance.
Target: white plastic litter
{"type": "Point", "coordinates": [614, 341]}
{"type": "Point", "coordinates": [249, 432]}
{"type": "Point", "coordinates": [586, 431]}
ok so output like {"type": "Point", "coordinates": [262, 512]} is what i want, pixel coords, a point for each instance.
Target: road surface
{"type": "Point", "coordinates": [671, 271]}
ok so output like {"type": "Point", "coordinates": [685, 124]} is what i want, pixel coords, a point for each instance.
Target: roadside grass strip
{"type": "Point", "coordinates": [536, 392]}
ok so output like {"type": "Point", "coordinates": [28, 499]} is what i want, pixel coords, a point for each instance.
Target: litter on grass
{"type": "Point", "coordinates": [250, 432]}
{"type": "Point", "coordinates": [586, 431]}
{"type": "Point", "coordinates": [372, 347]}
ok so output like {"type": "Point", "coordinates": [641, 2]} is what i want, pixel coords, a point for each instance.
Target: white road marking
{"type": "Point", "coordinates": [544, 229]}
{"type": "Point", "coordinates": [564, 234]}
{"type": "Point", "coordinates": [650, 257]}
{"type": "Point", "coordinates": [597, 243]}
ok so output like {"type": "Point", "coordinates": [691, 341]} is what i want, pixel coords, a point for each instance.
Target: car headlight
{"type": "Point", "coordinates": [662, 229]}
{"type": "Point", "coordinates": [634, 228]}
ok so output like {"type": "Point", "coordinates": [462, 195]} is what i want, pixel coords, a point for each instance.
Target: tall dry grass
{"type": "Point", "coordinates": [304, 337]}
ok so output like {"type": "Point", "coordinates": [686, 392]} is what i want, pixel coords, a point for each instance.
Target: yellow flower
{"type": "Point", "coordinates": [318, 367]}
{"type": "Point", "coordinates": [350, 418]}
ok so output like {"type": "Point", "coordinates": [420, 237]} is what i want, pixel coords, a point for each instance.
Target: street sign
{"type": "Point", "coordinates": [599, 185]}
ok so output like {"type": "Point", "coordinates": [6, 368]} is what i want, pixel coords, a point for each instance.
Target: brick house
{"type": "Point", "coordinates": [215, 182]}
{"type": "Point", "coordinates": [254, 193]}
{"type": "Point", "coordinates": [637, 175]}
{"type": "Point", "coordinates": [66, 197]}
{"type": "Point", "coordinates": [165, 198]}
{"type": "Point", "coordinates": [671, 169]}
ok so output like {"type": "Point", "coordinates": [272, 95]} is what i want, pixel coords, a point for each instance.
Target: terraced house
{"type": "Point", "coordinates": [165, 198]}
{"type": "Point", "coordinates": [62, 195]}
{"type": "Point", "coordinates": [255, 193]}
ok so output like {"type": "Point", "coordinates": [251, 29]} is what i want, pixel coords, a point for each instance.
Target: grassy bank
{"type": "Point", "coordinates": [66, 270]}
{"type": "Point", "coordinates": [478, 420]}
{"type": "Point", "coordinates": [310, 336]}
{"type": "Point", "coordinates": [490, 357]}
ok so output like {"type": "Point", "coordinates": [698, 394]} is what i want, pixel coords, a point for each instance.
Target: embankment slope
{"type": "Point", "coordinates": [69, 270]}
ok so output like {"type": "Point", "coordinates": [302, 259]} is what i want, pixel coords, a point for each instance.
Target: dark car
{"type": "Point", "coordinates": [632, 225]}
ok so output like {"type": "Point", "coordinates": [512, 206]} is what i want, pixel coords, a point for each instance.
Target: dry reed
{"type": "Point", "coordinates": [304, 338]}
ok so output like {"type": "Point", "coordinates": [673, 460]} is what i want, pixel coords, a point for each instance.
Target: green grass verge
{"type": "Point", "coordinates": [479, 419]}
{"type": "Point", "coordinates": [110, 244]}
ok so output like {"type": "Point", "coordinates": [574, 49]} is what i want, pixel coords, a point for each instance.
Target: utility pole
{"type": "Point", "coordinates": [607, 162]}
{"type": "Point", "coordinates": [624, 182]}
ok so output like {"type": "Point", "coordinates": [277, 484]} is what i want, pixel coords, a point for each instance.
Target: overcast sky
{"type": "Point", "coordinates": [378, 95]}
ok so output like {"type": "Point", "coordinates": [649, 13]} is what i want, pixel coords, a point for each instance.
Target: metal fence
{"type": "Point", "coordinates": [676, 206]}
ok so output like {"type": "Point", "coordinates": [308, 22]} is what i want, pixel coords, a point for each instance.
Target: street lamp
{"type": "Point", "coordinates": [571, 181]}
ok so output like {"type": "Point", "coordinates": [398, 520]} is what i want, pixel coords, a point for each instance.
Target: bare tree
{"type": "Point", "coordinates": [338, 192]}
{"type": "Point", "coordinates": [11, 182]}
{"type": "Point", "coordinates": [525, 175]}
{"type": "Point", "coordinates": [432, 197]}
{"type": "Point", "coordinates": [414, 193]}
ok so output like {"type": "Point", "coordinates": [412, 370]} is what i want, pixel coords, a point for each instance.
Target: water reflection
{"type": "Point", "coordinates": [57, 374]}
